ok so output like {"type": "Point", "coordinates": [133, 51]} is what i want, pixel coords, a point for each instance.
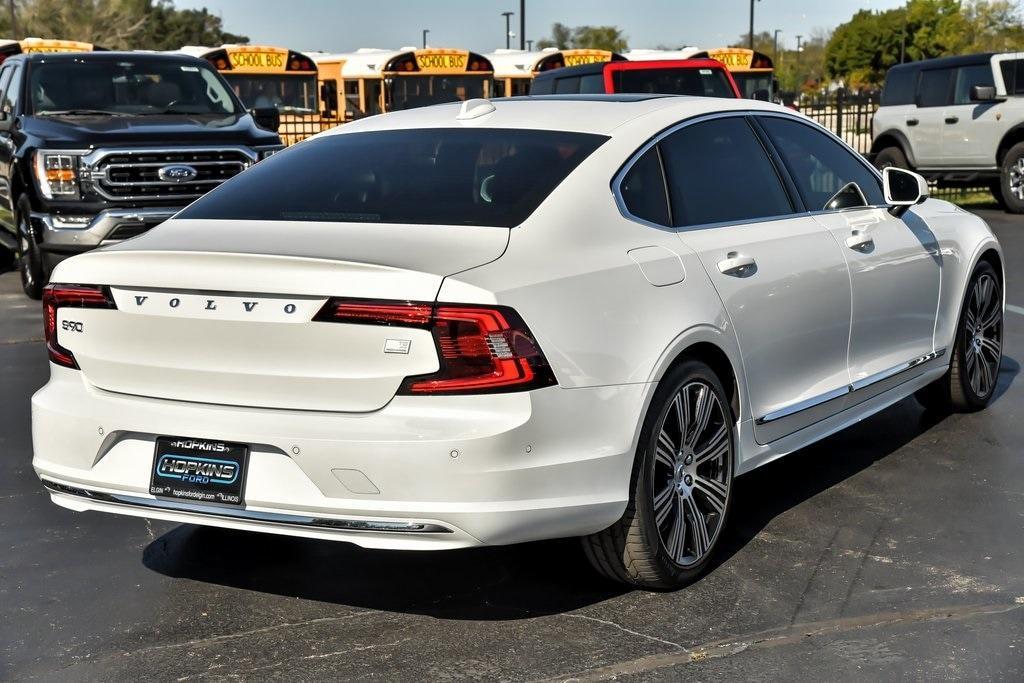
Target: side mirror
{"type": "Point", "coordinates": [266, 117]}
{"type": "Point", "coordinates": [903, 189]}
{"type": "Point", "coordinates": [763, 95]}
{"type": "Point", "coordinates": [983, 93]}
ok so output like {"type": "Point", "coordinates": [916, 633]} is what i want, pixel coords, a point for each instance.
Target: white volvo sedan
{"type": "Point", "coordinates": [488, 323]}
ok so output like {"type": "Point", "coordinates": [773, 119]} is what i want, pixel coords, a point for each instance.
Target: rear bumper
{"type": "Point", "coordinates": [422, 473]}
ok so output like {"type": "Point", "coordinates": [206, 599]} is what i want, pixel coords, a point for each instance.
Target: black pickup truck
{"type": "Point", "coordinates": [99, 147]}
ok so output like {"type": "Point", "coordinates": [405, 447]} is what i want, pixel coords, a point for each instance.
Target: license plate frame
{"type": "Point", "coordinates": [206, 471]}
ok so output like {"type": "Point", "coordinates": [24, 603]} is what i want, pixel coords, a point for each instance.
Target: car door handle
{"type": "Point", "coordinates": [736, 265]}
{"type": "Point", "coordinates": [912, 122]}
{"type": "Point", "coordinates": [952, 119]}
{"type": "Point", "coordinates": [859, 240]}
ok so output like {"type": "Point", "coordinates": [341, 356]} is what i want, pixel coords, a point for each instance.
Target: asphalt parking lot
{"type": "Point", "coordinates": [892, 550]}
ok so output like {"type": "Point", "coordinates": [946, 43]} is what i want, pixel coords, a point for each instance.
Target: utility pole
{"type": "Point", "coordinates": [508, 29]}
{"type": "Point", "coordinates": [529, 46]}
{"type": "Point", "coordinates": [425, 32]}
{"type": "Point", "coordinates": [14, 20]}
{"type": "Point", "coordinates": [522, 24]}
{"type": "Point", "coordinates": [752, 23]}
{"type": "Point", "coordinates": [775, 44]}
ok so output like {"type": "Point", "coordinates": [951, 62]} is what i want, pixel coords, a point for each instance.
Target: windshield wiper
{"type": "Point", "coordinates": [81, 112]}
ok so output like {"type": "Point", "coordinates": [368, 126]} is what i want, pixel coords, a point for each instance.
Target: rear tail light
{"type": "Point", "coordinates": [482, 349]}
{"type": "Point", "coordinates": [69, 296]}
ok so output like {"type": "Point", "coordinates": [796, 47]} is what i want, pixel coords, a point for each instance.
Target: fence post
{"type": "Point", "coordinates": [839, 112]}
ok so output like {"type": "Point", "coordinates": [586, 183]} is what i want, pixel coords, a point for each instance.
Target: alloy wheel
{"type": "Point", "coordinates": [983, 335]}
{"type": "Point", "coordinates": [692, 473]}
{"type": "Point", "coordinates": [1017, 179]}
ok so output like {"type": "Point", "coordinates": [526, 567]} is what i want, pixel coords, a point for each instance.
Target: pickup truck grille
{"type": "Point", "coordinates": [135, 174]}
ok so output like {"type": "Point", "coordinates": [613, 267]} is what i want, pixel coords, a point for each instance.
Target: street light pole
{"type": "Point", "coordinates": [751, 35]}
{"type": "Point", "coordinates": [425, 32]}
{"type": "Point", "coordinates": [522, 24]}
{"type": "Point", "coordinates": [775, 45]}
{"type": "Point", "coordinates": [508, 29]}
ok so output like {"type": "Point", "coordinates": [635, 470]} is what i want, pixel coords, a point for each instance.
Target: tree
{"type": "Point", "coordinates": [119, 24]}
{"type": "Point", "coordinates": [593, 37]}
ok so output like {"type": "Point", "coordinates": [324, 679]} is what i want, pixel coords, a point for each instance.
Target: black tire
{"type": "Point", "coordinates": [30, 262]}
{"type": "Point", "coordinates": [891, 156]}
{"type": "Point", "coordinates": [968, 386]}
{"type": "Point", "coordinates": [1011, 179]}
{"type": "Point", "coordinates": [634, 549]}
{"type": "Point", "coordinates": [996, 187]}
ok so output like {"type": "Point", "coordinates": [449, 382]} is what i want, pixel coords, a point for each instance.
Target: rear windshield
{"type": "Point", "coordinates": [449, 176]}
{"type": "Point", "coordinates": [684, 81]}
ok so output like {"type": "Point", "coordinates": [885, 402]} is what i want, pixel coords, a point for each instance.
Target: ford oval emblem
{"type": "Point", "coordinates": [177, 173]}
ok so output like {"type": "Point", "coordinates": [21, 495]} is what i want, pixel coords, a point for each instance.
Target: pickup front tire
{"type": "Point", "coordinates": [891, 156]}
{"type": "Point", "coordinates": [30, 261]}
{"type": "Point", "coordinates": [1012, 179]}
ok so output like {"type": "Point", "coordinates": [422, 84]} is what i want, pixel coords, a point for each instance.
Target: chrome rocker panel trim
{"type": "Point", "coordinates": [849, 388]}
{"type": "Point", "coordinates": [327, 524]}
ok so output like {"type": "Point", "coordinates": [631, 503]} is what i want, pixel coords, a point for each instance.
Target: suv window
{"type": "Point", "coordinates": [717, 171]}
{"type": "Point", "coordinates": [12, 92]}
{"type": "Point", "coordinates": [569, 85]}
{"type": "Point", "coordinates": [1013, 76]}
{"type": "Point", "coordinates": [933, 88]}
{"type": "Point", "coordinates": [643, 189]}
{"type": "Point", "coordinates": [819, 165]}
{"type": "Point", "coordinates": [968, 77]}
{"type": "Point", "coordinates": [445, 176]}
{"type": "Point", "coordinates": [592, 84]}
{"type": "Point", "coordinates": [5, 78]}
{"type": "Point", "coordinates": [899, 87]}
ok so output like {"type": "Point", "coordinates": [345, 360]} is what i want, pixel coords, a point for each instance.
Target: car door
{"type": "Point", "coordinates": [972, 130]}
{"type": "Point", "coordinates": [925, 122]}
{"type": "Point", "coordinates": [894, 262]}
{"type": "Point", "coordinates": [781, 277]}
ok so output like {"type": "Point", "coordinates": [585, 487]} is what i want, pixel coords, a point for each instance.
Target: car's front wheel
{"type": "Point", "coordinates": [891, 156]}
{"type": "Point", "coordinates": [680, 488]}
{"type": "Point", "coordinates": [1012, 179]}
{"type": "Point", "coordinates": [973, 372]}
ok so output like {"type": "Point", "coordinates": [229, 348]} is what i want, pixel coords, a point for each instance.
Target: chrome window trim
{"type": "Point", "coordinates": [850, 388]}
{"type": "Point", "coordinates": [619, 177]}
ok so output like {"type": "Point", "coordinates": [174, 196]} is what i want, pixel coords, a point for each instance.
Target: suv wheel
{"type": "Point", "coordinates": [891, 156]}
{"type": "Point", "coordinates": [680, 488]}
{"type": "Point", "coordinates": [1012, 179]}
{"type": "Point", "coordinates": [30, 263]}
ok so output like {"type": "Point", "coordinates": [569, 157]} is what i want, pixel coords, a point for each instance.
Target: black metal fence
{"type": "Point", "coordinates": [849, 117]}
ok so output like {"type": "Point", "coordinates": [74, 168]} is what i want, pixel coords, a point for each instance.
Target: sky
{"type": "Point", "coordinates": [344, 25]}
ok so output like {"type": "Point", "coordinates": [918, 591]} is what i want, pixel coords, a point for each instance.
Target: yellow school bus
{"type": "Point", "coordinates": [372, 81]}
{"type": "Point", "coordinates": [514, 69]}
{"type": "Point", "coordinates": [268, 76]}
{"type": "Point", "coordinates": [10, 47]}
{"type": "Point", "coordinates": [753, 71]}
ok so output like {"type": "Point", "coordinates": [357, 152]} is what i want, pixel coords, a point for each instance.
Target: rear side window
{"type": "Point", "coordinates": [448, 176]}
{"type": "Point", "coordinates": [643, 189]}
{"type": "Point", "coordinates": [933, 88]}
{"type": "Point", "coordinates": [717, 171]}
{"type": "Point", "coordinates": [1013, 76]}
{"type": "Point", "coordinates": [689, 81]}
{"type": "Point", "coordinates": [592, 84]}
{"type": "Point", "coordinates": [542, 86]}
{"type": "Point", "coordinates": [567, 86]}
{"type": "Point", "coordinates": [968, 77]}
{"type": "Point", "coordinates": [899, 87]}
{"type": "Point", "coordinates": [819, 165]}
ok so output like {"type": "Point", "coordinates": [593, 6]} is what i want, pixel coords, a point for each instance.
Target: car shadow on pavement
{"type": "Point", "coordinates": [514, 582]}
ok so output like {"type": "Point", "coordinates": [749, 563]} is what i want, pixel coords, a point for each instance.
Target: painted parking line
{"type": "Point", "coordinates": [1019, 310]}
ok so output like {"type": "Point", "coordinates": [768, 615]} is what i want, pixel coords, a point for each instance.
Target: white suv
{"type": "Point", "coordinates": [958, 121]}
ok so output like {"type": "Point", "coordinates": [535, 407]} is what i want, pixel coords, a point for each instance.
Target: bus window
{"type": "Point", "coordinates": [372, 87]}
{"type": "Point", "coordinates": [408, 92]}
{"type": "Point", "coordinates": [329, 97]}
{"type": "Point", "coordinates": [499, 88]}
{"type": "Point", "coordinates": [353, 107]}
{"type": "Point", "coordinates": [750, 83]}
{"type": "Point", "coordinates": [287, 93]}
{"type": "Point", "coordinates": [520, 86]}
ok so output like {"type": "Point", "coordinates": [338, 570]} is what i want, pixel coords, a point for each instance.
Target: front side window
{"type": "Point", "coordinates": [127, 86]}
{"type": "Point", "coordinates": [933, 88]}
{"type": "Point", "coordinates": [819, 165]}
{"type": "Point", "coordinates": [444, 176]}
{"type": "Point", "coordinates": [969, 76]}
{"type": "Point", "coordinates": [13, 92]}
{"type": "Point", "coordinates": [643, 189]}
{"type": "Point", "coordinates": [717, 171]}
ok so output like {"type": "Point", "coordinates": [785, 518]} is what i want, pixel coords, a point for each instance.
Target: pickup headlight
{"type": "Point", "coordinates": [57, 174]}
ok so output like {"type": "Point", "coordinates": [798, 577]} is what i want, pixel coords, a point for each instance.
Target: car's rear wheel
{"type": "Point", "coordinates": [973, 372]}
{"type": "Point", "coordinates": [891, 156]}
{"type": "Point", "coordinates": [30, 262]}
{"type": "Point", "coordinates": [1012, 179]}
{"type": "Point", "coordinates": [680, 487]}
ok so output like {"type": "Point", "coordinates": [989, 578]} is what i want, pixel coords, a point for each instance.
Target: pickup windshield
{"type": "Point", "coordinates": [130, 86]}
{"type": "Point", "coordinates": [447, 176]}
